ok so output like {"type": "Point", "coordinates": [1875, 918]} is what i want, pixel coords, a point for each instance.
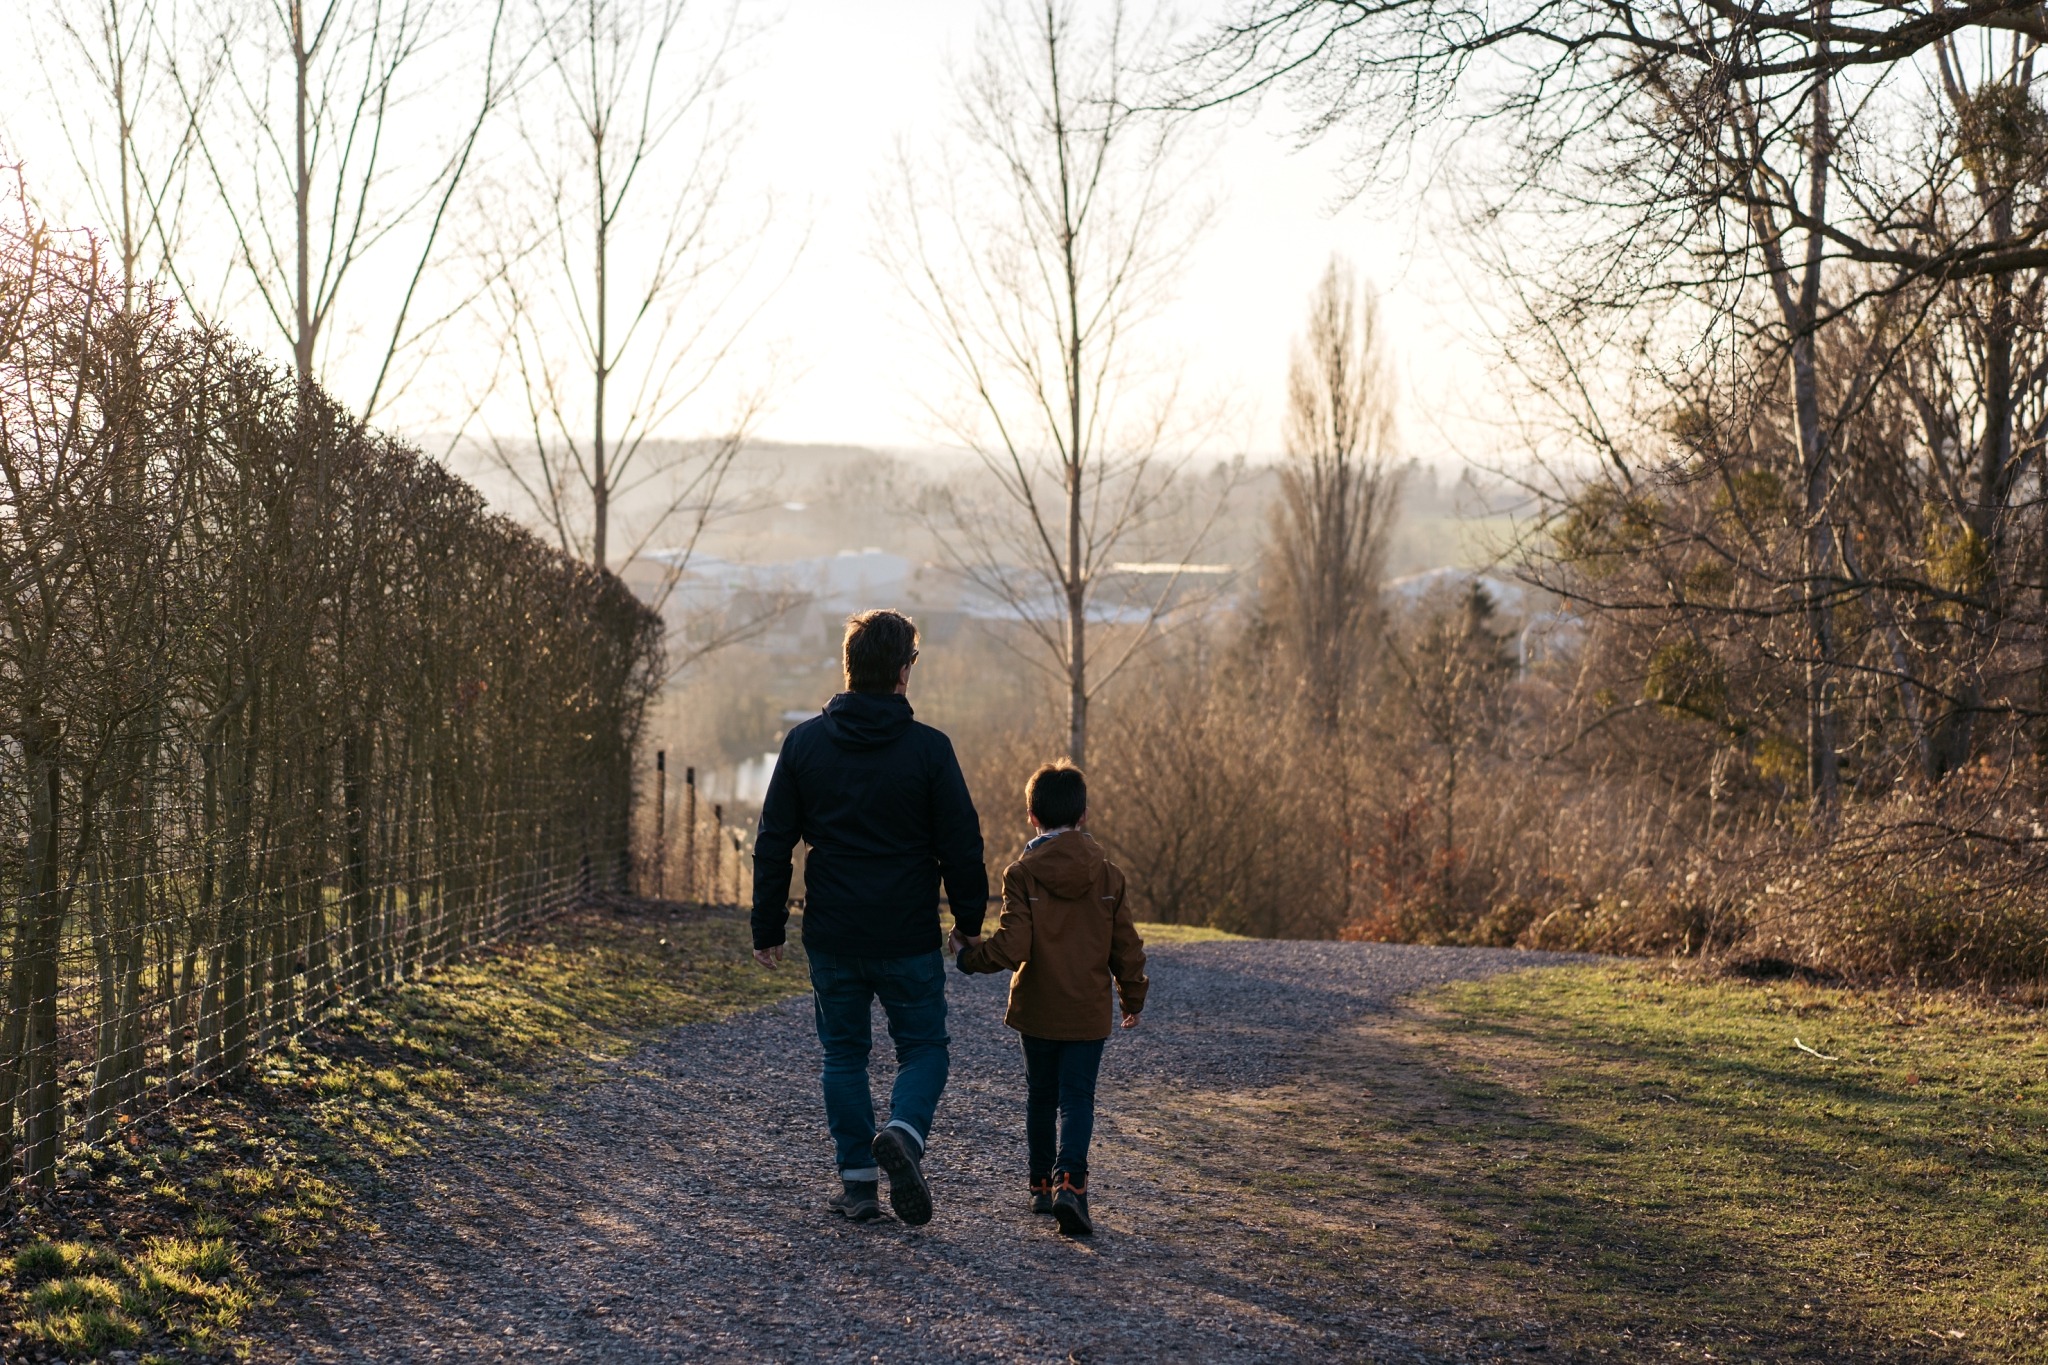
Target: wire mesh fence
{"type": "Point", "coordinates": [289, 716]}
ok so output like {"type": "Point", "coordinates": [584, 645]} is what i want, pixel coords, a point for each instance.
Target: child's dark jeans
{"type": "Point", "coordinates": [1059, 1080]}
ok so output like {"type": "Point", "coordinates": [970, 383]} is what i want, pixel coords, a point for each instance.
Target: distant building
{"type": "Point", "coordinates": [1509, 597]}
{"type": "Point", "coordinates": [1543, 630]}
{"type": "Point", "coordinates": [808, 600]}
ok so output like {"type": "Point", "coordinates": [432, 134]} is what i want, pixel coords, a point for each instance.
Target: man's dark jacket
{"type": "Point", "coordinates": [880, 800]}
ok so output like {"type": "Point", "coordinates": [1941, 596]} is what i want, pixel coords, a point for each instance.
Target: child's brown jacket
{"type": "Point", "coordinates": [1065, 926]}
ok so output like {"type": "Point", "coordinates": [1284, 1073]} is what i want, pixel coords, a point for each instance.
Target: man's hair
{"type": "Point", "coordinates": [1057, 795]}
{"type": "Point", "coordinates": [879, 646]}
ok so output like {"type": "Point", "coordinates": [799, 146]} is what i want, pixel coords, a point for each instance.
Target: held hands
{"type": "Point", "coordinates": [957, 942]}
{"type": "Point", "coordinates": [771, 958]}
{"type": "Point", "coordinates": [1130, 1021]}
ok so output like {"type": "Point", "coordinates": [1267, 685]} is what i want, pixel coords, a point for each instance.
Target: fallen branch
{"type": "Point", "coordinates": [1809, 1051]}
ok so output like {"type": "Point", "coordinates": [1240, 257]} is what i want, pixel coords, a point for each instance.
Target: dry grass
{"type": "Point", "coordinates": [1185, 933]}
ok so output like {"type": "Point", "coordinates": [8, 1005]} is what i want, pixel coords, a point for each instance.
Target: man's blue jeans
{"type": "Point", "coordinates": [913, 994]}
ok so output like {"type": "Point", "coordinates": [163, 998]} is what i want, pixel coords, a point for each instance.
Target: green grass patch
{"type": "Point", "coordinates": [191, 1221]}
{"type": "Point", "coordinates": [537, 1012]}
{"type": "Point", "coordinates": [192, 1295]}
{"type": "Point", "coordinates": [86, 1314]}
{"type": "Point", "coordinates": [1620, 1162]}
{"type": "Point", "coordinates": [1779, 1168]}
{"type": "Point", "coordinates": [43, 1260]}
{"type": "Point", "coordinates": [1185, 933]}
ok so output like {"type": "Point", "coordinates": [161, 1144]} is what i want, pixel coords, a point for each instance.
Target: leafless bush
{"type": "Point", "coordinates": [1208, 798]}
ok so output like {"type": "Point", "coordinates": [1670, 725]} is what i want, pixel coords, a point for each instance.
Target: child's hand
{"type": "Point", "coordinates": [1130, 1021]}
{"type": "Point", "coordinates": [959, 942]}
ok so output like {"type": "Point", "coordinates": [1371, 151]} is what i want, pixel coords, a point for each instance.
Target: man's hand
{"type": "Point", "coordinates": [771, 958]}
{"type": "Point", "coordinates": [1130, 1021]}
{"type": "Point", "coordinates": [957, 941]}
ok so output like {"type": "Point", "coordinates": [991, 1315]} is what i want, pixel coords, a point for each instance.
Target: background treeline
{"type": "Point", "coordinates": [1768, 282]}
{"type": "Point", "coordinates": [1770, 288]}
{"type": "Point", "coordinates": [287, 714]}
{"type": "Point", "coordinates": [1684, 732]}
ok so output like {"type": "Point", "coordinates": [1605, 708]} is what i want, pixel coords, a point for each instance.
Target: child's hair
{"type": "Point", "coordinates": [1057, 795]}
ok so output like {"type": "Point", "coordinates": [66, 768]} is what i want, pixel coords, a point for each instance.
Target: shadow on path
{"type": "Point", "coordinates": [673, 1209]}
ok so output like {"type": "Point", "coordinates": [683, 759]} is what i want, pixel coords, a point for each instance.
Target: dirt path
{"type": "Point", "coordinates": [673, 1209]}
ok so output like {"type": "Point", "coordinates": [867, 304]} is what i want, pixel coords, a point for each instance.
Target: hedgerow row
{"type": "Point", "coordinates": [288, 714]}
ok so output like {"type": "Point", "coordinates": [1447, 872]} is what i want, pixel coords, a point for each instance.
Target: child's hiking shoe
{"type": "Point", "coordinates": [1070, 1206]}
{"type": "Point", "coordinates": [1041, 1194]}
{"type": "Point", "coordinates": [857, 1202]}
{"type": "Point", "coordinates": [896, 1152]}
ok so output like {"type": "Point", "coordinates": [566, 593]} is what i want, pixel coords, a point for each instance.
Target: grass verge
{"type": "Point", "coordinates": [163, 1242]}
{"type": "Point", "coordinates": [1153, 932]}
{"type": "Point", "coordinates": [1766, 1169]}
{"type": "Point", "coordinates": [1623, 1162]}
{"type": "Point", "coordinates": [1641, 1165]}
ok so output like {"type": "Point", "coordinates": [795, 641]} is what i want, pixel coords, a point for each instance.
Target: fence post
{"type": "Point", "coordinates": [690, 833]}
{"type": "Point", "coordinates": [717, 849]}
{"type": "Point", "coordinates": [738, 864]}
{"type": "Point", "coordinates": [661, 824]}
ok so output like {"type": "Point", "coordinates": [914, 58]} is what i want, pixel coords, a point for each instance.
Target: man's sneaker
{"type": "Point", "coordinates": [1041, 1194]}
{"type": "Point", "coordinates": [1070, 1206]}
{"type": "Point", "coordinates": [897, 1154]}
{"type": "Point", "coordinates": [856, 1202]}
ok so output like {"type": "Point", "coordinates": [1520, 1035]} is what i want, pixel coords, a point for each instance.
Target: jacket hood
{"type": "Point", "coordinates": [1066, 865]}
{"type": "Point", "coordinates": [867, 720]}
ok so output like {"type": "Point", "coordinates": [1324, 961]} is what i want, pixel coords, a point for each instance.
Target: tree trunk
{"type": "Point", "coordinates": [1077, 607]}
{"type": "Point", "coordinates": [600, 462]}
{"type": "Point", "coordinates": [1823, 769]}
{"type": "Point", "coordinates": [235, 898]}
{"type": "Point", "coordinates": [304, 326]}
{"type": "Point", "coordinates": [1958, 730]}
{"type": "Point", "coordinates": [1818, 549]}
{"type": "Point", "coordinates": [99, 1100]}
{"type": "Point", "coordinates": [2041, 658]}
{"type": "Point", "coordinates": [41, 1093]}
{"type": "Point", "coordinates": [355, 874]}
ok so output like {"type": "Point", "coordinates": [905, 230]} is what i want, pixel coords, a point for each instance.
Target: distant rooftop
{"type": "Point", "coordinates": [1162, 567]}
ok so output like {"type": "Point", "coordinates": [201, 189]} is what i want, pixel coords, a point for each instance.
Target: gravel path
{"type": "Point", "coordinates": [673, 1210]}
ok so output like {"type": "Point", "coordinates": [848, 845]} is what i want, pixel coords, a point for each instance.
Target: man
{"type": "Point", "coordinates": [880, 800]}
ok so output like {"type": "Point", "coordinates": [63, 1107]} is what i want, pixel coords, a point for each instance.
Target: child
{"type": "Point", "coordinates": [1066, 932]}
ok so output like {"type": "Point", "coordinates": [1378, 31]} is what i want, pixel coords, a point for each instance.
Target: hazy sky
{"type": "Point", "coordinates": [835, 85]}
{"type": "Point", "coordinates": [829, 88]}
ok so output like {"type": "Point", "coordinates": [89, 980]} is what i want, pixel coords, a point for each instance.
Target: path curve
{"type": "Point", "coordinates": [673, 1210]}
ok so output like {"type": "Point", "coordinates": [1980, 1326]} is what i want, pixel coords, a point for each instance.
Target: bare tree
{"type": "Point", "coordinates": [1453, 667]}
{"type": "Point", "coordinates": [1036, 258]}
{"type": "Point", "coordinates": [107, 72]}
{"type": "Point", "coordinates": [623, 286]}
{"type": "Point", "coordinates": [1996, 157]}
{"type": "Point", "coordinates": [1337, 490]}
{"type": "Point", "coordinates": [342, 133]}
{"type": "Point", "coordinates": [1694, 156]}
{"type": "Point", "coordinates": [1328, 542]}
